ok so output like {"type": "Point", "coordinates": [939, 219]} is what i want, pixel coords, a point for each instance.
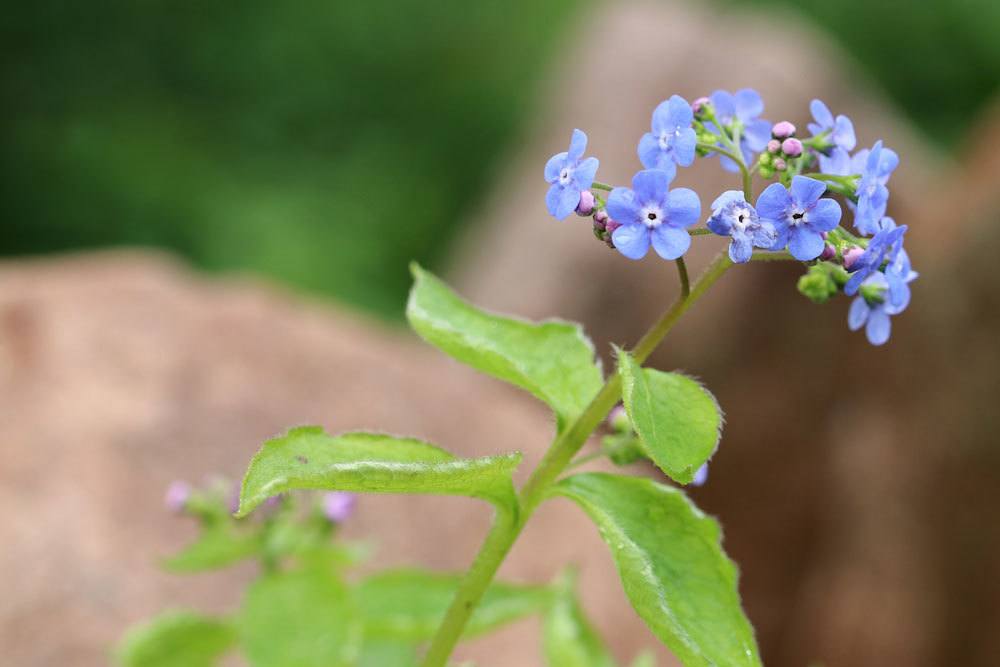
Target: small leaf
{"type": "Point", "coordinates": [308, 458]}
{"type": "Point", "coordinates": [410, 604]}
{"type": "Point", "coordinates": [672, 566]}
{"type": "Point", "coordinates": [553, 360]}
{"type": "Point", "coordinates": [387, 653]}
{"type": "Point", "coordinates": [677, 420]}
{"type": "Point", "coordinates": [218, 545]}
{"type": "Point", "coordinates": [570, 640]}
{"type": "Point", "coordinates": [176, 639]}
{"type": "Point", "coordinates": [304, 618]}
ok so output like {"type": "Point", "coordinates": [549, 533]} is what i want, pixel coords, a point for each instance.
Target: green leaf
{"type": "Point", "coordinates": [677, 420]}
{"type": "Point", "coordinates": [672, 566]}
{"type": "Point", "coordinates": [569, 638]}
{"type": "Point", "coordinates": [308, 458]}
{"type": "Point", "coordinates": [387, 653]}
{"type": "Point", "coordinates": [176, 639]}
{"type": "Point", "coordinates": [553, 360]}
{"type": "Point", "coordinates": [218, 545]}
{"type": "Point", "coordinates": [304, 618]}
{"type": "Point", "coordinates": [410, 604]}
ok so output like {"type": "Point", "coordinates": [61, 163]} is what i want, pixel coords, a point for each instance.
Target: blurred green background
{"type": "Point", "coordinates": [328, 143]}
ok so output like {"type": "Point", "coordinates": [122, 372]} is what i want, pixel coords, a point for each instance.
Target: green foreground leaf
{"type": "Point", "coordinates": [678, 421]}
{"type": "Point", "coordinates": [672, 566]}
{"type": "Point", "coordinates": [304, 618]}
{"type": "Point", "coordinates": [308, 458]}
{"type": "Point", "coordinates": [553, 360]}
{"type": "Point", "coordinates": [218, 545]}
{"type": "Point", "coordinates": [569, 638]}
{"type": "Point", "coordinates": [410, 604]}
{"type": "Point", "coordinates": [176, 639]}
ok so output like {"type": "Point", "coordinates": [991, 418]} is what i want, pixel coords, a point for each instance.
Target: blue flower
{"type": "Point", "coordinates": [733, 216]}
{"type": "Point", "coordinates": [672, 141]}
{"type": "Point", "coordinates": [899, 272]}
{"type": "Point", "coordinates": [840, 129]}
{"type": "Point", "coordinates": [741, 112]}
{"type": "Point", "coordinates": [701, 475]}
{"type": "Point", "coordinates": [569, 176]}
{"type": "Point", "coordinates": [873, 195]}
{"type": "Point", "coordinates": [886, 242]}
{"type": "Point", "coordinates": [873, 311]}
{"type": "Point", "coordinates": [652, 213]}
{"type": "Point", "coordinates": [799, 216]}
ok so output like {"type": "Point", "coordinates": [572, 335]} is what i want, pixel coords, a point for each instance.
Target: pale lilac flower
{"type": "Point", "coordinates": [840, 129]}
{"type": "Point", "coordinates": [799, 216]}
{"type": "Point", "coordinates": [569, 175]}
{"type": "Point", "coordinates": [177, 496]}
{"type": "Point", "coordinates": [651, 213]}
{"type": "Point", "coordinates": [338, 506]}
{"type": "Point", "coordinates": [672, 140]}
{"type": "Point", "coordinates": [733, 216]}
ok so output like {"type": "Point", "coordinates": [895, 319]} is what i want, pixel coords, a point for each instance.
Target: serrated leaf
{"type": "Point", "coordinates": [678, 421]}
{"type": "Point", "coordinates": [569, 638]}
{"type": "Point", "coordinates": [673, 569]}
{"type": "Point", "coordinates": [176, 639]}
{"type": "Point", "coordinates": [410, 604]}
{"type": "Point", "coordinates": [553, 360]}
{"type": "Point", "coordinates": [308, 458]}
{"type": "Point", "coordinates": [218, 545]}
{"type": "Point", "coordinates": [304, 618]}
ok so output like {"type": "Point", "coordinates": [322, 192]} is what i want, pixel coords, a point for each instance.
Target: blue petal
{"type": "Point", "coordinates": [825, 215]}
{"type": "Point", "coordinates": [821, 113]}
{"type": "Point", "coordinates": [568, 200]}
{"type": "Point", "coordinates": [585, 172]}
{"type": "Point", "coordinates": [887, 164]}
{"type": "Point", "coordinates": [858, 314]}
{"type": "Point", "coordinates": [740, 250]}
{"type": "Point", "coordinates": [679, 112]}
{"type": "Point", "coordinates": [670, 242]}
{"type": "Point", "coordinates": [804, 243]}
{"type": "Point", "coordinates": [843, 133]}
{"type": "Point", "coordinates": [838, 164]}
{"type": "Point", "coordinates": [577, 144]}
{"type": "Point", "coordinates": [660, 121]}
{"type": "Point", "coordinates": [773, 203]}
{"type": "Point", "coordinates": [684, 147]}
{"type": "Point", "coordinates": [554, 166]}
{"type": "Point", "coordinates": [728, 164]}
{"type": "Point", "coordinates": [622, 206]}
{"type": "Point", "coordinates": [879, 326]}
{"type": "Point", "coordinates": [749, 105]}
{"type": "Point", "coordinates": [553, 199]}
{"type": "Point", "coordinates": [806, 190]}
{"type": "Point", "coordinates": [727, 197]}
{"type": "Point", "coordinates": [701, 476]}
{"type": "Point", "coordinates": [874, 156]}
{"type": "Point", "coordinates": [851, 288]}
{"type": "Point", "coordinates": [720, 224]}
{"type": "Point", "coordinates": [683, 208]}
{"type": "Point", "coordinates": [765, 236]}
{"type": "Point", "coordinates": [725, 105]}
{"type": "Point", "coordinates": [756, 134]}
{"type": "Point", "coordinates": [631, 240]}
{"type": "Point", "coordinates": [650, 186]}
{"type": "Point", "coordinates": [649, 150]}
{"type": "Point", "coordinates": [781, 236]}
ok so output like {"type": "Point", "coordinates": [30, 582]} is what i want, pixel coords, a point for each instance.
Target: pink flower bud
{"type": "Point", "coordinates": [851, 256]}
{"type": "Point", "coordinates": [699, 105]}
{"type": "Point", "coordinates": [178, 494]}
{"type": "Point", "coordinates": [618, 420]}
{"type": "Point", "coordinates": [586, 205]}
{"type": "Point", "coordinates": [829, 252]}
{"type": "Point", "coordinates": [791, 147]}
{"type": "Point", "coordinates": [338, 506]}
{"type": "Point", "coordinates": [783, 130]}
{"type": "Point", "coordinates": [779, 164]}
{"type": "Point", "coordinates": [601, 218]}
{"type": "Point", "coordinates": [773, 146]}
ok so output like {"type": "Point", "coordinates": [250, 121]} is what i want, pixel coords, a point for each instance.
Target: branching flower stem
{"type": "Point", "coordinates": [507, 527]}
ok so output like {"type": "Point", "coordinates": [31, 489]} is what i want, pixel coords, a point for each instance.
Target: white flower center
{"type": "Point", "coordinates": [665, 138]}
{"type": "Point", "coordinates": [741, 218]}
{"type": "Point", "coordinates": [565, 176]}
{"type": "Point", "coordinates": [797, 217]}
{"type": "Point", "coordinates": [651, 216]}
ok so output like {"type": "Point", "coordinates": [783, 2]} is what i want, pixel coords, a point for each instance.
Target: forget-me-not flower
{"type": "Point", "coordinates": [569, 175]}
{"type": "Point", "coordinates": [741, 110]}
{"type": "Point", "coordinates": [651, 213]}
{"type": "Point", "coordinates": [875, 315]}
{"type": "Point", "coordinates": [840, 129]}
{"type": "Point", "coordinates": [873, 195]}
{"type": "Point", "coordinates": [733, 216]}
{"type": "Point", "coordinates": [799, 215]}
{"type": "Point", "coordinates": [886, 242]}
{"type": "Point", "coordinates": [672, 141]}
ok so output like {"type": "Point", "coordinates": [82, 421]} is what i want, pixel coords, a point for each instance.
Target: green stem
{"type": "Point", "coordinates": [602, 186]}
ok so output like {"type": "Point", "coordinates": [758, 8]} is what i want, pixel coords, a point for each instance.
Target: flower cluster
{"type": "Point", "coordinates": [797, 215]}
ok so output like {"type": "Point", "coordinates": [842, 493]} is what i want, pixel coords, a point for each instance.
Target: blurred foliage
{"type": "Point", "coordinates": [938, 59]}
{"type": "Point", "coordinates": [329, 143]}
{"type": "Point", "coordinates": [325, 143]}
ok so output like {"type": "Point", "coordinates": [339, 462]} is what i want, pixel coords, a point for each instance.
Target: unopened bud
{"type": "Point", "coordinates": [611, 226]}
{"type": "Point", "coordinates": [618, 420]}
{"type": "Point", "coordinates": [783, 130]}
{"type": "Point", "coordinates": [851, 256]}
{"type": "Point", "coordinates": [829, 252]}
{"type": "Point", "coordinates": [779, 164]}
{"type": "Point", "coordinates": [766, 171]}
{"type": "Point", "coordinates": [586, 205]}
{"type": "Point", "coordinates": [699, 105]}
{"type": "Point", "coordinates": [791, 147]}
{"type": "Point", "coordinates": [773, 146]}
{"type": "Point", "coordinates": [178, 494]}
